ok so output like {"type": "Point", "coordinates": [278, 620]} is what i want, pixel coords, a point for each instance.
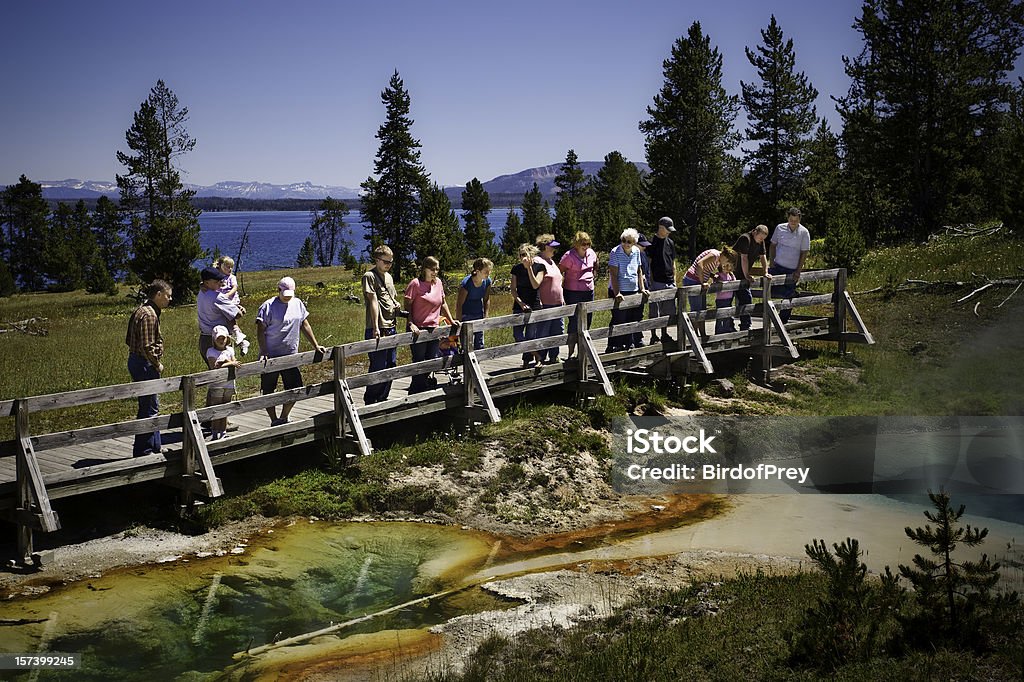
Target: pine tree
{"type": "Point", "coordinates": [329, 232]}
{"type": "Point", "coordinates": [824, 194]}
{"type": "Point", "coordinates": [513, 235]}
{"type": "Point", "coordinates": [572, 201]}
{"type": "Point", "coordinates": [108, 232]}
{"type": "Point", "coordinates": [616, 189]}
{"type": "Point", "coordinates": [24, 217]}
{"type": "Point", "coordinates": [688, 134]}
{"type": "Point", "coordinates": [391, 203]}
{"type": "Point", "coordinates": [162, 223]}
{"type": "Point", "coordinates": [439, 234]}
{"type": "Point", "coordinates": [923, 105]}
{"type": "Point", "coordinates": [782, 118]}
{"type": "Point", "coordinates": [70, 247]}
{"type": "Point", "coordinates": [536, 214]}
{"type": "Point", "coordinates": [7, 287]}
{"type": "Point", "coordinates": [307, 254]}
{"type": "Point", "coordinates": [476, 203]}
{"type": "Point", "coordinates": [954, 596]}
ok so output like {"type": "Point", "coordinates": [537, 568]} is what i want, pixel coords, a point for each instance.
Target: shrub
{"type": "Point", "coordinates": [844, 246]}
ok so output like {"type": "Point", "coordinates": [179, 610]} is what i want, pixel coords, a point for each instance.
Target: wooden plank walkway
{"type": "Point", "coordinates": [86, 460]}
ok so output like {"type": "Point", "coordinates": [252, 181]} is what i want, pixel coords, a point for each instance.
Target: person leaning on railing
{"type": "Point", "coordinates": [278, 323]}
{"type": "Point", "coordinates": [749, 247]}
{"type": "Point", "coordinates": [382, 306]}
{"type": "Point", "coordinates": [525, 297]}
{"type": "Point", "coordinates": [791, 242]}
{"type": "Point", "coordinates": [425, 301]}
{"type": "Point", "coordinates": [624, 279]}
{"type": "Point", "coordinates": [145, 349]}
{"type": "Point", "coordinates": [577, 266]}
{"type": "Point", "coordinates": [548, 282]}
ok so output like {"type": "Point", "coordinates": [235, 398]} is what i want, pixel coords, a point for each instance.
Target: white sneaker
{"type": "Point", "coordinates": [243, 347]}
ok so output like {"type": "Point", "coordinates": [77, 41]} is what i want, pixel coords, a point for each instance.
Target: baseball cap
{"type": "Point", "coordinates": [667, 222]}
{"type": "Point", "coordinates": [212, 273]}
{"type": "Point", "coordinates": [643, 240]}
{"type": "Point", "coordinates": [219, 331]}
{"type": "Point", "coordinates": [286, 286]}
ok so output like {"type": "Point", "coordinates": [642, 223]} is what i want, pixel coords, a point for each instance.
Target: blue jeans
{"type": "Point", "coordinates": [786, 291]}
{"type": "Point", "coordinates": [149, 405]}
{"type": "Point", "coordinates": [555, 327]}
{"type": "Point", "coordinates": [380, 359]}
{"type": "Point", "coordinates": [478, 337]}
{"type": "Point", "coordinates": [523, 332]}
{"type": "Point", "coordinates": [420, 352]}
{"type": "Point", "coordinates": [743, 297]}
{"type": "Point", "coordinates": [724, 324]}
{"type": "Point", "coordinates": [573, 297]}
{"type": "Point", "coordinates": [664, 307]}
{"type": "Point", "coordinates": [698, 302]}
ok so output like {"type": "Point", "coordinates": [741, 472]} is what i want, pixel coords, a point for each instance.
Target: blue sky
{"type": "Point", "coordinates": [288, 92]}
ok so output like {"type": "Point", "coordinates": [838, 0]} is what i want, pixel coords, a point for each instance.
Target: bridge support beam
{"type": "Point", "coordinates": [33, 511]}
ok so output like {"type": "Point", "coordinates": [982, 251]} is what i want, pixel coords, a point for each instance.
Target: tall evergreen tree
{"type": "Point", "coordinates": [476, 203]}
{"type": "Point", "coordinates": [688, 134]}
{"type": "Point", "coordinates": [24, 215]}
{"type": "Point", "coordinates": [71, 247]}
{"type": "Point", "coordinates": [391, 203]}
{"type": "Point", "coordinates": [307, 254]}
{"type": "Point", "coordinates": [823, 195]}
{"type": "Point", "coordinates": [536, 214]}
{"type": "Point", "coordinates": [572, 202]}
{"type": "Point", "coordinates": [782, 118]}
{"type": "Point", "coordinates": [924, 101]}
{"type": "Point", "coordinates": [329, 232]}
{"type": "Point", "coordinates": [439, 234]}
{"type": "Point", "coordinates": [107, 229]}
{"type": "Point", "coordinates": [162, 223]}
{"type": "Point", "coordinates": [513, 235]}
{"type": "Point", "coordinates": [616, 189]}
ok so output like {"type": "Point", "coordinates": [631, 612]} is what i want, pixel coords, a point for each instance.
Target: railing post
{"type": "Point", "coordinates": [339, 376]}
{"type": "Point", "coordinates": [24, 492]}
{"type": "Point", "coordinates": [839, 312]}
{"type": "Point", "coordinates": [581, 326]}
{"type": "Point", "coordinates": [766, 328]}
{"type": "Point", "coordinates": [680, 324]}
{"type": "Point", "coordinates": [466, 340]}
{"type": "Point", "coordinates": [188, 452]}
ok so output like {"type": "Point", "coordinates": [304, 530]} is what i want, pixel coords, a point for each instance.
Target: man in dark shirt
{"type": "Point", "coordinates": [750, 247]}
{"type": "Point", "coordinates": [662, 254]}
{"type": "Point", "coordinates": [145, 348]}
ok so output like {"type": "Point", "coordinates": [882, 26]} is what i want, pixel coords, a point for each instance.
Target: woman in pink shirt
{"type": "Point", "coordinates": [577, 266]}
{"type": "Point", "coordinates": [549, 288]}
{"type": "Point", "coordinates": [424, 299]}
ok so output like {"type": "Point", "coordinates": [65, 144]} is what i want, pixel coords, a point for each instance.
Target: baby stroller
{"type": "Point", "coordinates": [451, 351]}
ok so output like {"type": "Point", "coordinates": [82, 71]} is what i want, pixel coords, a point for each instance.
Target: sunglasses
{"type": "Point", "coordinates": [385, 262]}
{"type": "Point", "coordinates": [628, 241]}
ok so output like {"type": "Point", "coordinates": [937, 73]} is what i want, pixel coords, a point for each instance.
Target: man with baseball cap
{"type": "Point", "coordinates": [790, 244]}
{"type": "Point", "coordinates": [662, 255]}
{"type": "Point", "coordinates": [213, 308]}
{"type": "Point", "coordinates": [278, 323]}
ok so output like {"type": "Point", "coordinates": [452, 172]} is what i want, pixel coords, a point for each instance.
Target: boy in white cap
{"type": "Point", "coordinates": [278, 323]}
{"type": "Point", "coordinates": [220, 355]}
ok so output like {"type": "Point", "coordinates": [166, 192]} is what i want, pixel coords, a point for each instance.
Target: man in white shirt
{"type": "Point", "coordinates": [790, 244]}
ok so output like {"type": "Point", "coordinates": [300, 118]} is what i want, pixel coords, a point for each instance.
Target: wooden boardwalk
{"type": "Point", "coordinates": [36, 468]}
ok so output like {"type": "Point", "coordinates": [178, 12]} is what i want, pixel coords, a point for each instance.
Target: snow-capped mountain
{"type": "Point", "coordinates": [86, 189]}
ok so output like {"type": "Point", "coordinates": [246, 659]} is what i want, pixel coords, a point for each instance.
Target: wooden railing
{"type": "Point", "coordinates": [32, 504]}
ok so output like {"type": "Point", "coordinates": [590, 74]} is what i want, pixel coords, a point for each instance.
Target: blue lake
{"type": "Point", "coordinates": [275, 237]}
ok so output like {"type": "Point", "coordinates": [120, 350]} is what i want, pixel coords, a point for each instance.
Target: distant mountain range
{"type": "Point", "coordinates": [514, 184]}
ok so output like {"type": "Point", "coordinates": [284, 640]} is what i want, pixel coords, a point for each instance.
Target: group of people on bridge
{"type": "Point", "coordinates": [538, 281]}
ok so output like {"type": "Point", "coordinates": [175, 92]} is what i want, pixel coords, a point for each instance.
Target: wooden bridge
{"type": "Point", "coordinates": [38, 467]}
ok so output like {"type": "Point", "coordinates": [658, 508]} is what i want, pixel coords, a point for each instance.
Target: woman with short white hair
{"type": "Point", "coordinates": [625, 279]}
